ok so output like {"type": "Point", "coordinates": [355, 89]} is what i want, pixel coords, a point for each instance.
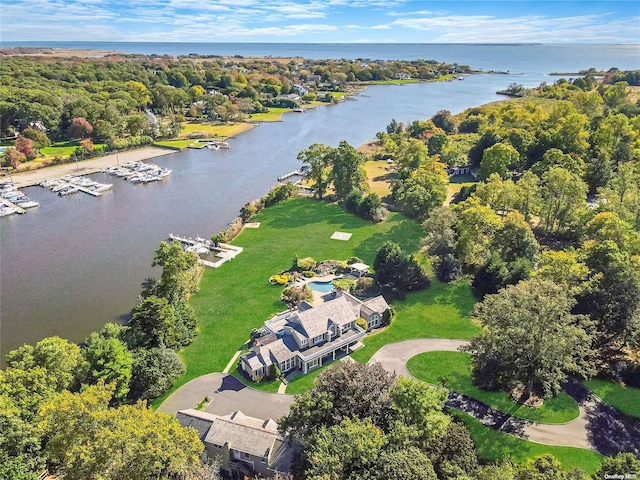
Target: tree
{"type": "Point", "coordinates": [80, 128]}
{"type": "Point", "coordinates": [179, 272]}
{"type": "Point", "coordinates": [440, 240]}
{"type": "Point", "coordinates": [87, 439]}
{"type": "Point", "coordinates": [528, 195]}
{"type": "Point", "coordinates": [108, 360]}
{"type": "Point", "coordinates": [564, 199]}
{"type": "Point", "coordinates": [371, 208]}
{"type": "Point", "coordinates": [26, 146]}
{"type": "Point", "coordinates": [347, 451]}
{"type": "Point", "coordinates": [555, 158]}
{"type": "Point", "coordinates": [347, 171]}
{"type": "Point", "coordinates": [454, 455]}
{"type": "Point", "coordinates": [151, 323]}
{"type": "Point", "coordinates": [154, 371]}
{"type": "Point", "coordinates": [497, 159]}
{"type": "Point", "coordinates": [538, 358]}
{"type": "Point", "coordinates": [316, 164]}
{"type": "Point", "coordinates": [398, 270]}
{"type": "Point", "coordinates": [621, 464]}
{"type": "Point", "coordinates": [40, 139]}
{"type": "Point", "coordinates": [13, 157]}
{"type": "Point", "coordinates": [346, 390]}
{"type": "Point", "coordinates": [61, 360]}
{"type": "Point", "coordinates": [563, 268]}
{"type": "Point", "coordinates": [16, 468]}
{"type": "Point", "coordinates": [424, 190]}
{"type": "Point", "coordinates": [516, 240]}
{"type": "Point", "coordinates": [444, 120]}
{"type": "Point", "coordinates": [403, 464]}
{"type": "Point", "coordinates": [420, 405]}
{"type": "Point", "coordinates": [25, 390]}
{"type": "Point", "coordinates": [476, 226]}
{"type": "Point", "coordinates": [622, 195]}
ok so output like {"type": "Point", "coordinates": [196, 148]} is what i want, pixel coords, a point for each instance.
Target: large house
{"type": "Point", "coordinates": [306, 337]}
{"type": "Point", "coordinates": [245, 445]}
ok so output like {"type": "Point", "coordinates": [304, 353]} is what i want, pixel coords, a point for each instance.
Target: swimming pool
{"type": "Point", "coordinates": [321, 287]}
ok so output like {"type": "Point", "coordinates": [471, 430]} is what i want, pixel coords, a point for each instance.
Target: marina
{"type": "Point", "coordinates": [139, 172]}
{"type": "Point", "coordinates": [70, 184]}
{"type": "Point", "coordinates": [14, 201]}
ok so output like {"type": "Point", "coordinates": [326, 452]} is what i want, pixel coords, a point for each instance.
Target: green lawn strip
{"type": "Point", "coordinates": [273, 115]}
{"type": "Point", "coordinates": [237, 297]}
{"type": "Point", "coordinates": [624, 399]}
{"type": "Point", "coordinates": [396, 81]}
{"type": "Point", "coordinates": [270, 386]}
{"type": "Point", "coordinates": [454, 368]}
{"type": "Point", "coordinates": [175, 143]}
{"type": "Point", "coordinates": [493, 445]}
{"type": "Point", "coordinates": [304, 383]}
{"type": "Point", "coordinates": [64, 149]}
{"type": "Point", "coordinates": [441, 311]}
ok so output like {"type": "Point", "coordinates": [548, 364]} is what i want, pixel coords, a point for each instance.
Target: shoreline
{"type": "Point", "coordinates": [86, 167]}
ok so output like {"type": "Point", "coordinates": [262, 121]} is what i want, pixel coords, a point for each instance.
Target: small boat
{"type": "Point", "coordinates": [48, 183]}
{"type": "Point", "coordinates": [4, 211]}
{"type": "Point", "coordinates": [299, 110]}
{"type": "Point", "coordinates": [60, 186]}
{"type": "Point", "coordinates": [68, 191]}
{"type": "Point", "coordinates": [28, 204]}
{"type": "Point", "coordinates": [163, 173]}
{"type": "Point", "coordinates": [102, 187]}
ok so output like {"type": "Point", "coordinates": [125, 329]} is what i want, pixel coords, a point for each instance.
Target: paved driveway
{"type": "Point", "coordinates": [228, 394]}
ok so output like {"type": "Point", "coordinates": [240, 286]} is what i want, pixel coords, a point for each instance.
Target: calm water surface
{"type": "Point", "coordinates": [77, 262]}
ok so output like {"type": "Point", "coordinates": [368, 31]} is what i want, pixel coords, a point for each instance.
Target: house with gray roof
{"type": "Point", "coordinates": [245, 445]}
{"type": "Point", "coordinates": [308, 336]}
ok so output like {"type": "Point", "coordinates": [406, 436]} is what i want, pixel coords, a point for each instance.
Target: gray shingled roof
{"type": "Point", "coordinates": [377, 304]}
{"type": "Point", "coordinates": [201, 421]}
{"type": "Point", "coordinates": [315, 321]}
{"type": "Point", "coordinates": [241, 433]}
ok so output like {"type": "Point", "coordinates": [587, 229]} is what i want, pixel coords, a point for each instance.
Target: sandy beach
{"type": "Point", "coordinates": [85, 167]}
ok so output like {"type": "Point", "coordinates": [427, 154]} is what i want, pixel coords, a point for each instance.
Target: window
{"type": "Point", "coordinates": [263, 460]}
{"type": "Point", "coordinates": [304, 342]}
{"type": "Point", "coordinates": [318, 339]}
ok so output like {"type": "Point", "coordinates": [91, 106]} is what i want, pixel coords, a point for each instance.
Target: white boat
{"type": "Point", "coordinates": [122, 172]}
{"type": "Point", "coordinates": [4, 211]}
{"type": "Point", "coordinates": [69, 190]}
{"type": "Point", "coordinates": [60, 186]}
{"type": "Point", "coordinates": [28, 204]}
{"type": "Point", "coordinates": [102, 187]}
{"type": "Point", "coordinates": [163, 173]}
{"type": "Point", "coordinates": [47, 183]}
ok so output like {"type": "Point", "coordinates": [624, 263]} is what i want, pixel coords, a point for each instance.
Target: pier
{"type": "Point", "coordinates": [291, 174]}
{"type": "Point", "coordinates": [224, 251]}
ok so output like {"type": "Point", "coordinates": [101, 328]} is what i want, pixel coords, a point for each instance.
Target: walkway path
{"type": "Point", "coordinates": [598, 427]}
{"type": "Point", "coordinates": [227, 395]}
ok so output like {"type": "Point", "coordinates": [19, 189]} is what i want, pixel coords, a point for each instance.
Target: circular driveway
{"type": "Point", "coordinates": [227, 394]}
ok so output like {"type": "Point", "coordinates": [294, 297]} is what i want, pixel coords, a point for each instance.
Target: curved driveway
{"type": "Point", "coordinates": [586, 431]}
{"type": "Point", "coordinates": [227, 395]}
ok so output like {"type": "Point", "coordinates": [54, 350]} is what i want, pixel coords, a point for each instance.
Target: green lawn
{"type": "Point", "coordinates": [270, 386]}
{"type": "Point", "coordinates": [64, 149]}
{"type": "Point", "coordinates": [493, 445]}
{"type": "Point", "coordinates": [237, 297]}
{"type": "Point", "coordinates": [175, 143]}
{"type": "Point", "coordinates": [454, 368]}
{"type": "Point", "coordinates": [441, 311]}
{"type": "Point", "coordinates": [395, 81]}
{"type": "Point", "coordinates": [624, 399]}
{"type": "Point", "coordinates": [218, 130]}
{"type": "Point", "coordinates": [273, 115]}
{"type": "Point", "coordinates": [304, 383]}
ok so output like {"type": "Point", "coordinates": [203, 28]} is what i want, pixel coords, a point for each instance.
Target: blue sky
{"type": "Point", "coordinates": [321, 21]}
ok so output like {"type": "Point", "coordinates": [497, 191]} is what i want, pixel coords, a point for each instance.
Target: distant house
{"type": "Point", "coordinates": [402, 76]}
{"type": "Point", "coordinates": [315, 79]}
{"type": "Point", "coordinates": [457, 170]}
{"type": "Point", "coordinates": [308, 337]}
{"type": "Point", "coordinates": [247, 446]}
{"type": "Point", "coordinates": [301, 89]}
{"type": "Point", "coordinates": [289, 96]}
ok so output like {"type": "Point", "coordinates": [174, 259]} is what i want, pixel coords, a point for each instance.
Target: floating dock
{"type": "Point", "coordinates": [11, 205]}
{"type": "Point", "coordinates": [224, 251]}
{"type": "Point", "coordinates": [291, 174]}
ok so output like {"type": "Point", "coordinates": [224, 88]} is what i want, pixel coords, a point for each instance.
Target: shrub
{"type": "Point", "coordinates": [352, 260]}
{"type": "Point", "coordinates": [308, 273]}
{"type": "Point", "coordinates": [345, 285]}
{"type": "Point", "coordinates": [306, 263]}
{"type": "Point", "coordinates": [352, 201]}
{"type": "Point", "coordinates": [365, 285]}
{"type": "Point", "coordinates": [388, 315]}
{"type": "Point", "coordinates": [362, 323]}
{"type": "Point", "coordinates": [229, 233]}
{"type": "Point", "coordinates": [280, 279]}
{"type": "Point", "coordinates": [448, 269]}
{"type": "Point", "coordinates": [279, 193]}
{"type": "Point", "coordinates": [296, 295]}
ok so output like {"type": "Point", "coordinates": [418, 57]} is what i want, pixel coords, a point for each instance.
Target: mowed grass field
{"type": "Point", "coordinates": [273, 115]}
{"type": "Point", "coordinates": [217, 130]}
{"type": "Point", "coordinates": [454, 369]}
{"type": "Point", "coordinates": [237, 297]}
{"type": "Point", "coordinates": [622, 398]}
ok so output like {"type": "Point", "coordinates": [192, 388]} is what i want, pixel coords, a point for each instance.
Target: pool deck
{"type": "Point", "coordinates": [319, 297]}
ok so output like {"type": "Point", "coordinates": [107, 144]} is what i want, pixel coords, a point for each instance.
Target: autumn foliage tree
{"type": "Point", "coordinates": [26, 147]}
{"type": "Point", "coordinates": [80, 128]}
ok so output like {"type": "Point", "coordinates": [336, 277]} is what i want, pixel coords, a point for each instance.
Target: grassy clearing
{"type": "Point", "coordinates": [624, 399]}
{"type": "Point", "coordinates": [304, 383]}
{"type": "Point", "coordinates": [395, 81]}
{"type": "Point", "coordinates": [175, 143]}
{"type": "Point", "coordinates": [273, 115]}
{"type": "Point", "coordinates": [64, 149]}
{"type": "Point", "coordinates": [454, 370]}
{"type": "Point", "coordinates": [217, 130]}
{"type": "Point", "coordinates": [379, 176]}
{"type": "Point", "coordinates": [238, 297]}
{"type": "Point", "coordinates": [493, 445]}
{"type": "Point", "coordinates": [441, 311]}
{"type": "Point", "coordinates": [270, 386]}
